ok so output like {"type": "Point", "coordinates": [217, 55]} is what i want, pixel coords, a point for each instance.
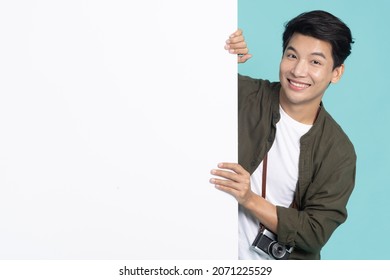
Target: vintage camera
{"type": "Point", "coordinates": [265, 241]}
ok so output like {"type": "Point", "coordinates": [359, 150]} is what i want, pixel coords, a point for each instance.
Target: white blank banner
{"type": "Point", "coordinates": [112, 114]}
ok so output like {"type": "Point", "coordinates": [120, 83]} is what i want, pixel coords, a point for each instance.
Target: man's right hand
{"type": "Point", "coordinates": [236, 45]}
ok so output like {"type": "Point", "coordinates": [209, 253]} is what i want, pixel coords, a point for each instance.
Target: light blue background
{"type": "Point", "coordinates": [359, 102]}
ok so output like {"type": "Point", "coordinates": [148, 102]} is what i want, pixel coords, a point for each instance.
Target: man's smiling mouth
{"type": "Point", "coordinates": [298, 85]}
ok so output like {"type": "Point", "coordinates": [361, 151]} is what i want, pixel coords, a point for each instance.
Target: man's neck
{"type": "Point", "coordinates": [301, 113]}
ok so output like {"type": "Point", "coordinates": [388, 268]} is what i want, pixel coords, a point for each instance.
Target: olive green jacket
{"type": "Point", "coordinates": [327, 166]}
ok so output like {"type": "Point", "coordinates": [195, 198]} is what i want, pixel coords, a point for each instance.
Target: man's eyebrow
{"type": "Point", "coordinates": [313, 53]}
{"type": "Point", "coordinates": [319, 54]}
{"type": "Point", "coordinates": [291, 49]}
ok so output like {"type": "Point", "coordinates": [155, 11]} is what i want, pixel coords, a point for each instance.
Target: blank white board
{"type": "Point", "coordinates": [112, 114]}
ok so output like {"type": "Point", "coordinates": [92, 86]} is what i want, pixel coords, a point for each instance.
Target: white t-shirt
{"type": "Point", "coordinates": [282, 176]}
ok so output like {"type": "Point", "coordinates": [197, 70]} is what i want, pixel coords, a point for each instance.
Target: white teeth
{"type": "Point", "coordinates": [299, 84]}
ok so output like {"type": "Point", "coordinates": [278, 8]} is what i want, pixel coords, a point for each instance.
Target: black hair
{"type": "Point", "coordinates": [323, 26]}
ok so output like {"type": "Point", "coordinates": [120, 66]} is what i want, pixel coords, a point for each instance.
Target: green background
{"type": "Point", "coordinates": [359, 103]}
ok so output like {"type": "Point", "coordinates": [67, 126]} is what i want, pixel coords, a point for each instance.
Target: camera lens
{"type": "Point", "coordinates": [278, 251]}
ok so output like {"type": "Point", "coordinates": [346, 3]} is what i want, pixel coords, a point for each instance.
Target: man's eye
{"type": "Point", "coordinates": [291, 55]}
{"type": "Point", "coordinates": [316, 62]}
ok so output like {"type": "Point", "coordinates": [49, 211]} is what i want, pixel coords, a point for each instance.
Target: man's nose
{"type": "Point", "coordinates": [300, 68]}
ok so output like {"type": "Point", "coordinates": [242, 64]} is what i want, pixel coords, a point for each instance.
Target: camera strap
{"type": "Point", "coordinates": [264, 178]}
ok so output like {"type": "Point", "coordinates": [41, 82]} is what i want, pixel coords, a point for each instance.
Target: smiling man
{"type": "Point", "coordinates": [306, 70]}
{"type": "Point", "coordinates": [296, 168]}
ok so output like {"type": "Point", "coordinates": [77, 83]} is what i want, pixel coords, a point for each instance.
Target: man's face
{"type": "Point", "coordinates": [306, 70]}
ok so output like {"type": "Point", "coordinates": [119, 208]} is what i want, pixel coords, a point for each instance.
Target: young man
{"type": "Point", "coordinates": [296, 166]}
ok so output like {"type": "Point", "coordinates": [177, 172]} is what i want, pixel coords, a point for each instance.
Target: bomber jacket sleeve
{"type": "Point", "coordinates": [326, 180]}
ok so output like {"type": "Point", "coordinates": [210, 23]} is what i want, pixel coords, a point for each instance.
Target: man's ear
{"type": "Point", "coordinates": [337, 73]}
